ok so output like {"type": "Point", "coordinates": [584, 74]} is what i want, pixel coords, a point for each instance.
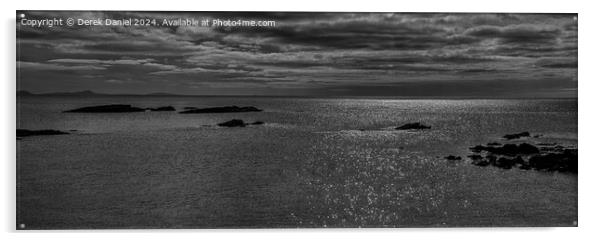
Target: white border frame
{"type": "Point", "coordinates": [589, 119]}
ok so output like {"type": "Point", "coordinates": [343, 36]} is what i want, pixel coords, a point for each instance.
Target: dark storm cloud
{"type": "Point", "coordinates": [307, 53]}
{"type": "Point", "coordinates": [561, 65]}
{"type": "Point", "coordinates": [558, 63]}
{"type": "Point", "coordinates": [517, 33]}
{"type": "Point", "coordinates": [361, 35]}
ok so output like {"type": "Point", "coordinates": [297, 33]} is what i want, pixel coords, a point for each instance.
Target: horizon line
{"type": "Point", "coordinates": [165, 94]}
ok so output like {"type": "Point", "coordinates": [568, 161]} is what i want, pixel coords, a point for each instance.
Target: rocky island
{"type": "Point", "coordinates": [25, 132]}
{"type": "Point", "coordinates": [526, 156]}
{"type": "Point", "coordinates": [162, 108]}
{"type": "Point", "coordinates": [238, 123]}
{"type": "Point", "coordinates": [106, 109]}
{"type": "Point", "coordinates": [413, 126]}
{"type": "Point", "coordinates": [517, 135]}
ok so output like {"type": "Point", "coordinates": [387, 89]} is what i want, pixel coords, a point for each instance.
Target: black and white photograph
{"type": "Point", "coordinates": [295, 119]}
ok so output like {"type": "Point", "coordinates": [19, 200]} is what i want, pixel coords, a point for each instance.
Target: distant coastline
{"type": "Point", "coordinates": [89, 93]}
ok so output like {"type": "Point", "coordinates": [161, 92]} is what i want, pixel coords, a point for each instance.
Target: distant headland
{"type": "Point", "coordinates": [89, 93]}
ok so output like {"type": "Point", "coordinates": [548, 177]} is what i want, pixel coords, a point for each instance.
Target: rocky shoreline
{"type": "Point", "coordinates": [549, 157]}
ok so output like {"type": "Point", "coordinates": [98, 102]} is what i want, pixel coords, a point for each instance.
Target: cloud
{"type": "Point", "coordinates": [523, 33]}
{"type": "Point", "coordinates": [98, 61]}
{"type": "Point", "coordinates": [562, 63]}
{"type": "Point", "coordinates": [569, 65]}
{"type": "Point", "coordinates": [305, 51]}
{"type": "Point", "coordinates": [25, 66]}
{"type": "Point", "coordinates": [136, 62]}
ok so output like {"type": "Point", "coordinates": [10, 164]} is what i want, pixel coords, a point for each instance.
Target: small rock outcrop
{"type": "Point", "coordinates": [162, 108]}
{"type": "Point", "coordinates": [526, 148]}
{"type": "Point", "coordinates": [565, 161]}
{"type": "Point", "coordinates": [507, 149]}
{"type": "Point", "coordinates": [233, 123]}
{"type": "Point", "coordinates": [475, 157]}
{"type": "Point", "coordinates": [25, 132]}
{"type": "Point", "coordinates": [413, 126]}
{"type": "Point", "coordinates": [517, 135]}
{"type": "Point", "coordinates": [507, 163]}
{"type": "Point", "coordinates": [106, 109]}
{"type": "Point", "coordinates": [224, 109]}
{"type": "Point", "coordinates": [238, 123]}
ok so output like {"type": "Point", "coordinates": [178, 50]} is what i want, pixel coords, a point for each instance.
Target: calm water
{"type": "Point", "coordinates": [316, 163]}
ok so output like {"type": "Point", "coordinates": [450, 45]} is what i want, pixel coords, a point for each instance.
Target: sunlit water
{"type": "Point", "coordinates": [315, 163]}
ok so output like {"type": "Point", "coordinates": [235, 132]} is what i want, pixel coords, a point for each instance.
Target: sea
{"type": "Point", "coordinates": [315, 163]}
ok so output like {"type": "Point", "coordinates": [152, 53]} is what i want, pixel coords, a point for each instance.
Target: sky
{"type": "Point", "coordinates": [305, 54]}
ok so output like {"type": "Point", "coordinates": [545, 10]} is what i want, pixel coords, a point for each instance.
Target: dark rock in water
{"type": "Point", "coordinates": [483, 162]}
{"type": "Point", "coordinates": [507, 163]}
{"type": "Point", "coordinates": [565, 161]}
{"type": "Point", "coordinates": [224, 109]}
{"type": "Point", "coordinates": [519, 160]}
{"type": "Point", "coordinates": [478, 160]}
{"type": "Point", "coordinates": [516, 136]}
{"type": "Point", "coordinates": [25, 132]}
{"type": "Point", "coordinates": [475, 157]}
{"type": "Point", "coordinates": [478, 148]}
{"type": "Point", "coordinates": [494, 144]}
{"type": "Point", "coordinates": [513, 150]}
{"type": "Point", "coordinates": [507, 149]}
{"type": "Point", "coordinates": [525, 148]}
{"type": "Point", "coordinates": [106, 109]}
{"type": "Point", "coordinates": [547, 149]}
{"type": "Point", "coordinates": [413, 126]}
{"type": "Point", "coordinates": [524, 165]}
{"type": "Point", "coordinates": [233, 123]}
{"type": "Point", "coordinates": [239, 123]}
{"type": "Point", "coordinates": [547, 157]}
{"type": "Point", "coordinates": [502, 162]}
{"type": "Point", "coordinates": [544, 162]}
{"type": "Point", "coordinates": [163, 108]}
{"type": "Point", "coordinates": [570, 152]}
{"type": "Point", "coordinates": [453, 158]}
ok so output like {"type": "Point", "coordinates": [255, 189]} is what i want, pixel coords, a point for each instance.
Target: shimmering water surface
{"type": "Point", "coordinates": [315, 163]}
